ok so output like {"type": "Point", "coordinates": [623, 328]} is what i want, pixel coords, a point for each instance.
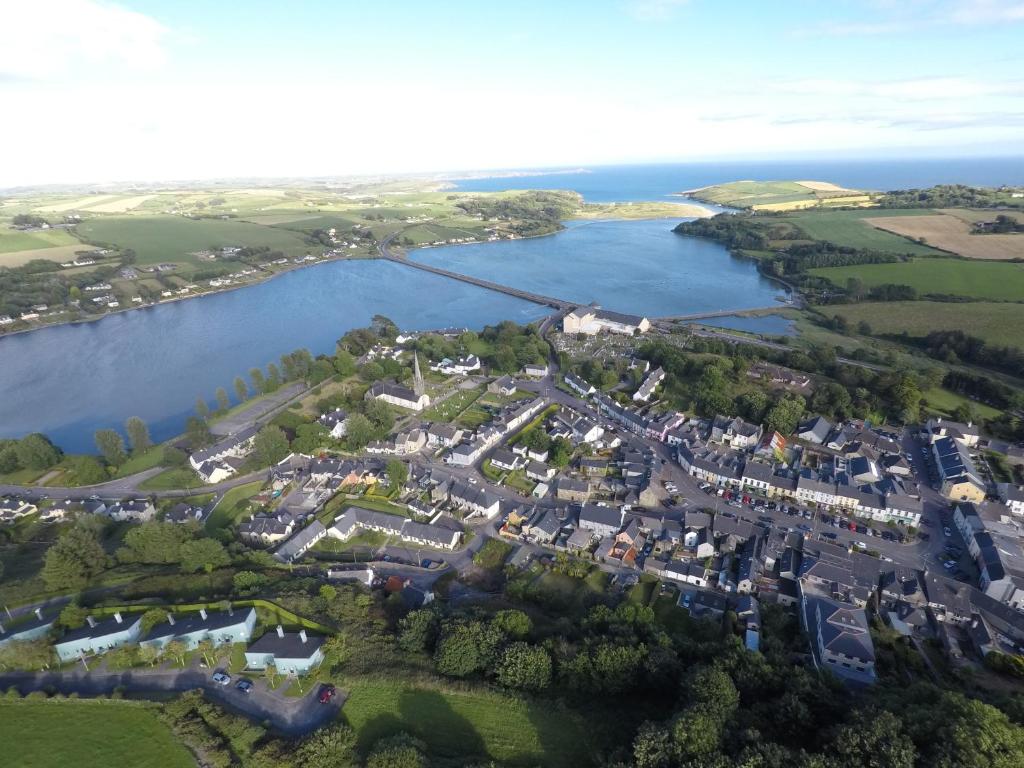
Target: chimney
{"type": "Point", "coordinates": [202, 612]}
{"type": "Point", "coordinates": [280, 631]}
{"type": "Point", "coordinates": [117, 617]}
{"type": "Point", "coordinates": [302, 635]}
{"type": "Point", "coordinates": [90, 621]}
{"type": "Point", "coordinates": [170, 619]}
{"type": "Point", "coordinates": [39, 613]}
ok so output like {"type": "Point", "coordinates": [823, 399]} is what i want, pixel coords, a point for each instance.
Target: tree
{"type": "Point", "coordinates": [176, 650]}
{"type": "Point", "coordinates": [258, 381]}
{"type": "Point", "coordinates": [72, 616]}
{"type": "Point", "coordinates": [197, 432]}
{"type": "Point", "coordinates": [241, 389]}
{"type": "Point", "coordinates": [202, 409]}
{"type": "Point", "coordinates": [785, 414]}
{"type": "Point", "coordinates": [872, 740]}
{"type": "Point", "coordinates": [417, 631]}
{"type": "Point", "coordinates": [111, 446]}
{"type": "Point", "coordinates": [247, 582]}
{"type": "Point", "coordinates": [35, 451]}
{"type": "Point", "coordinates": [87, 470]}
{"type": "Point", "coordinates": [371, 372]}
{"type": "Point", "coordinates": [151, 618]}
{"type": "Point", "coordinates": [74, 559]}
{"type": "Point", "coordinates": [466, 647]}
{"type": "Point", "coordinates": [398, 751]}
{"type": "Point", "coordinates": [223, 402]}
{"type": "Point", "coordinates": [26, 655]}
{"type": "Point", "coordinates": [270, 672]}
{"type": "Point", "coordinates": [154, 543]}
{"type": "Point", "coordinates": [9, 458]}
{"type": "Point", "coordinates": [560, 452]}
{"type": "Point", "coordinates": [329, 747]}
{"type": "Point", "coordinates": [344, 363]}
{"type": "Point", "coordinates": [138, 435]}
{"type": "Point", "coordinates": [524, 667]}
{"type": "Point", "coordinates": [513, 623]}
{"type": "Point", "coordinates": [203, 554]}
{"type": "Point", "coordinates": [359, 432]}
{"type": "Point", "coordinates": [380, 415]}
{"type": "Point", "coordinates": [398, 473]}
{"type": "Point", "coordinates": [269, 446]}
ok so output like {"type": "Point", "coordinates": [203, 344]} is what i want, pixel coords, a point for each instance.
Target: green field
{"type": "Point", "coordinates": [780, 194]}
{"type": "Point", "coordinates": [849, 228]}
{"type": "Point", "coordinates": [946, 402]}
{"type": "Point", "coordinates": [998, 281]}
{"type": "Point", "coordinates": [157, 239]}
{"type": "Point", "coordinates": [997, 323]}
{"type": "Point", "coordinates": [456, 724]}
{"type": "Point", "coordinates": [16, 240]}
{"type": "Point", "coordinates": [231, 506]}
{"type": "Point", "coordinates": [86, 734]}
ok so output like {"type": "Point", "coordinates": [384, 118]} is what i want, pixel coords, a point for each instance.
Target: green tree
{"type": "Point", "coordinates": [138, 435]}
{"type": "Point", "coordinates": [74, 559]}
{"type": "Point", "coordinates": [241, 389]}
{"type": "Point", "coordinates": [203, 554]}
{"type": "Point", "coordinates": [111, 446]}
{"type": "Point", "coordinates": [466, 647]}
{"type": "Point", "coordinates": [371, 372]}
{"type": "Point", "coordinates": [9, 458]}
{"type": "Point", "coordinates": [35, 451]}
{"type": "Point", "coordinates": [273, 382]}
{"type": "Point", "coordinates": [202, 409]}
{"type": "Point", "coordinates": [151, 618]}
{"type": "Point", "coordinates": [72, 616]}
{"type": "Point", "coordinates": [87, 470]}
{"type": "Point", "coordinates": [359, 432]}
{"type": "Point", "coordinates": [344, 363]}
{"type": "Point", "coordinates": [259, 382]}
{"type": "Point", "coordinates": [513, 623]}
{"type": "Point", "coordinates": [330, 747]}
{"type": "Point", "coordinates": [398, 751]}
{"type": "Point", "coordinates": [247, 582]}
{"type": "Point", "coordinates": [872, 740]}
{"type": "Point", "coordinates": [524, 667]}
{"type": "Point", "coordinates": [398, 473]}
{"type": "Point", "coordinates": [785, 414]}
{"type": "Point", "coordinates": [197, 432]}
{"type": "Point", "coordinates": [417, 630]}
{"type": "Point", "coordinates": [154, 543]}
{"type": "Point", "coordinates": [223, 401]}
{"type": "Point", "coordinates": [560, 452]}
{"type": "Point", "coordinates": [269, 446]}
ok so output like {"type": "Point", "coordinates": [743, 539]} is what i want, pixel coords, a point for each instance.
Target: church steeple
{"type": "Point", "coordinates": [417, 377]}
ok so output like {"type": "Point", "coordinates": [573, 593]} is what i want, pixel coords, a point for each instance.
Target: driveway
{"type": "Point", "coordinates": [290, 715]}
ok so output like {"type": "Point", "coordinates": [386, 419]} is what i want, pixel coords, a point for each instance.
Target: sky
{"type": "Point", "coordinates": [140, 90]}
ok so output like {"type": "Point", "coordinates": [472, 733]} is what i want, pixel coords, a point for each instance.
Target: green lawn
{"type": "Point", "coordinates": [492, 554]}
{"type": "Point", "coordinates": [998, 281]}
{"type": "Point", "coordinates": [86, 734]}
{"type": "Point", "coordinates": [450, 408]}
{"type": "Point", "coordinates": [849, 228]}
{"type": "Point", "coordinates": [172, 479]}
{"type": "Point", "coordinates": [157, 239]}
{"type": "Point", "coordinates": [945, 401]}
{"type": "Point", "coordinates": [743, 194]}
{"type": "Point", "coordinates": [16, 240]}
{"type": "Point", "coordinates": [455, 724]}
{"type": "Point", "coordinates": [142, 462]}
{"type": "Point", "coordinates": [999, 324]}
{"type": "Point", "coordinates": [364, 540]}
{"type": "Point", "coordinates": [232, 506]}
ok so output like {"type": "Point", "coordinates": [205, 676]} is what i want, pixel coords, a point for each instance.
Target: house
{"type": "Point", "coordinates": [506, 460]}
{"type": "Point", "coordinates": [685, 572]}
{"type": "Point", "coordinates": [578, 385]}
{"type": "Point", "coordinates": [1012, 496]}
{"type": "Point", "coordinates": [396, 394]}
{"type": "Point", "coordinates": [734, 432]}
{"type": "Point", "coordinates": [135, 510]}
{"type": "Point", "coordinates": [290, 653]}
{"type": "Point", "coordinates": [430, 535]}
{"type": "Point", "coordinates": [967, 435]}
{"type": "Point", "coordinates": [33, 628]}
{"type": "Point", "coordinates": [236, 446]}
{"type": "Point", "coordinates": [592, 467]}
{"type": "Point", "coordinates": [600, 520]}
{"type": "Point", "coordinates": [539, 471]}
{"type": "Point", "coordinates": [267, 528]}
{"type": "Point", "coordinates": [544, 527]}
{"type": "Point", "coordinates": [99, 636]}
{"type": "Point", "coordinates": [840, 638]}
{"type": "Point", "coordinates": [699, 541]}
{"type": "Point", "coordinates": [814, 430]}
{"type": "Point", "coordinates": [459, 367]}
{"type": "Point", "coordinates": [961, 480]}
{"type": "Point", "coordinates": [474, 499]}
{"type": "Point", "coordinates": [571, 489]}
{"type": "Point", "coordinates": [504, 386]}
{"type": "Point", "coordinates": [443, 435]}
{"type": "Point", "coordinates": [708, 605]}
{"type": "Point", "coordinates": [216, 627]}
{"type": "Point", "coordinates": [301, 542]}
{"type": "Point", "coordinates": [185, 513]}
{"type": "Point", "coordinates": [592, 319]}
{"type": "Point", "coordinates": [646, 389]}
{"type": "Point", "coordinates": [336, 422]}
{"type": "Point", "coordinates": [535, 371]}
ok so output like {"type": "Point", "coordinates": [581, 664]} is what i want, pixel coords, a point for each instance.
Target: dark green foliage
{"type": "Point", "coordinates": [35, 451]}
{"type": "Point", "coordinates": [946, 196]}
{"type": "Point", "coordinates": [534, 213]}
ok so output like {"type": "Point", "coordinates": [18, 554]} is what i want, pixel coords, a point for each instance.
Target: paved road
{"type": "Point", "coordinates": [258, 410]}
{"type": "Point", "coordinates": [290, 715]}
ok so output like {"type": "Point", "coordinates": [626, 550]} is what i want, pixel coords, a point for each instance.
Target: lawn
{"type": "Point", "coordinates": [172, 479]}
{"type": "Point", "coordinates": [492, 554]}
{"type": "Point", "coordinates": [455, 724]}
{"type": "Point", "coordinates": [449, 409]}
{"type": "Point", "coordinates": [232, 506]}
{"type": "Point", "coordinates": [157, 239]}
{"type": "Point", "coordinates": [849, 228]}
{"type": "Point", "coordinates": [997, 281]}
{"type": "Point", "coordinates": [17, 240]}
{"type": "Point", "coordinates": [364, 540]}
{"type": "Point", "coordinates": [945, 401]}
{"type": "Point", "coordinates": [87, 734]}
{"type": "Point", "coordinates": [996, 323]}
{"type": "Point", "coordinates": [141, 462]}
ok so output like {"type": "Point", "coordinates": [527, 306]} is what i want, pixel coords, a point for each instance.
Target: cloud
{"type": "Point", "coordinates": [887, 18]}
{"type": "Point", "coordinates": [654, 10]}
{"type": "Point", "coordinates": [46, 39]}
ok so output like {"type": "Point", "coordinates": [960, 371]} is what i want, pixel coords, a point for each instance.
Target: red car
{"type": "Point", "coordinates": [326, 693]}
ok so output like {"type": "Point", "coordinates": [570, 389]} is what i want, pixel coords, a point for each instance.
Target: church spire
{"type": "Point", "coordinates": [417, 377]}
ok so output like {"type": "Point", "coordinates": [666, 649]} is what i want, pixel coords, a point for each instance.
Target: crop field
{"type": "Point", "coordinates": [779, 195]}
{"type": "Point", "coordinates": [60, 254]}
{"type": "Point", "coordinates": [974, 279]}
{"type": "Point", "coordinates": [12, 240]}
{"type": "Point", "coordinates": [87, 734]}
{"type": "Point", "coordinates": [455, 723]}
{"type": "Point", "coordinates": [953, 234]}
{"type": "Point", "coordinates": [157, 239]}
{"type": "Point", "coordinates": [996, 323]}
{"type": "Point", "coordinates": [850, 228]}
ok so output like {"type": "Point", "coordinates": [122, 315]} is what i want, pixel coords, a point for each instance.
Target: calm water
{"type": "Point", "coordinates": [653, 182]}
{"type": "Point", "coordinates": [70, 380]}
{"type": "Point", "coordinates": [630, 266]}
{"type": "Point", "coordinates": [769, 325]}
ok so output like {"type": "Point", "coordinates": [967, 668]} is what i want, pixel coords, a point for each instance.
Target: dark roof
{"type": "Point", "coordinates": [214, 621]}
{"type": "Point", "coordinates": [288, 646]}
{"type": "Point", "coordinates": [103, 628]}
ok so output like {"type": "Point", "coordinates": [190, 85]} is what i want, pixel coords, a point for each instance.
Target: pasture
{"type": "Point", "coordinates": [996, 281]}
{"type": "Point", "coordinates": [953, 234]}
{"type": "Point", "coordinates": [779, 195]}
{"type": "Point", "coordinates": [87, 734]}
{"type": "Point", "coordinates": [157, 239]}
{"type": "Point", "coordinates": [996, 323]}
{"type": "Point", "coordinates": [59, 253]}
{"type": "Point", "coordinates": [850, 228]}
{"type": "Point", "coordinates": [455, 723]}
{"type": "Point", "coordinates": [14, 240]}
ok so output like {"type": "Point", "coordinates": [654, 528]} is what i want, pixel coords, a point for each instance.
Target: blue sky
{"type": "Point", "coordinates": [169, 90]}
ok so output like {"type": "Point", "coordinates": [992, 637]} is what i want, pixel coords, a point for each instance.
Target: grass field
{"type": "Point", "coordinates": [996, 323]}
{"type": "Point", "coordinates": [455, 724]}
{"type": "Point", "coordinates": [953, 234]}
{"type": "Point", "coordinates": [231, 507]}
{"type": "Point", "coordinates": [157, 239]}
{"type": "Point", "coordinates": [849, 228]}
{"type": "Point", "coordinates": [778, 195]}
{"type": "Point", "coordinates": [974, 279]}
{"type": "Point", "coordinates": [86, 734]}
{"type": "Point", "coordinates": [170, 479]}
{"type": "Point", "coordinates": [946, 402]}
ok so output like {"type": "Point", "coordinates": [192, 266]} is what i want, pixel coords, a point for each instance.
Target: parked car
{"type": "Point", "coordinates": [220, 678]}
{"type": "Point", "coordinates": [327, 692]}
{"type": "Point", "coordinates": [946, 532]}
{"type": "Point", "coordinates": [860, 545]}
{"type": "Point", "coordinates": [765, 519]}
{"type": "Point", "coordinates": [804, 527]}
{"type": "Point", "coordinates": [245, 686]}
{"type": "Point", "coordinates": [686, 601]}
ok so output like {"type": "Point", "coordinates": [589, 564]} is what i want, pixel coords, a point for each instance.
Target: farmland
{"type": "Point", "coordinates": [778, 195]}
{"type": "Point", "coordinates": [87, 734]}
{"type": "Point", "coordinates": [953, 234]}
{"type": "Point", "coordinates": [851, 228]}
{"type": "Point", "coordinates": [996, 323]}
{"type": "Point", "coordinates": [990, 280]}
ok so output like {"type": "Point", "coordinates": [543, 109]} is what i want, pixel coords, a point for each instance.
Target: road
{"type": "Point", "coordinates": [291, 715]}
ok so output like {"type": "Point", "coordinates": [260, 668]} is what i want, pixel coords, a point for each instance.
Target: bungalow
{"type": "Point", "coordinates": [506, 460]}
{"type": "Point", "coordinates": [267, 528]}
{"type": "Point", "coordinates": [430, 535]}
{"type": "Point", "coordinates": [290, 653]}
{"type": "Point", "coordinates": [504, 386]}
{"type": "Point", "coordinates": [218, 627]}
{"type": "Point", "coordinates": [32, 629]}
{"type": "Point", "coordinates": [336, 422]}
{"type": "Point", "coordinates": [185, 513]}
{"type": "Point", "coordinates": [539, 471]}
{"type": "Point", "coordinates": [237, 445]}
{"type": "Point", "coordinates": [99, 636]}
{"type": "Point", "coordinates": [136, 510]}
{"type": "Point", "coordinates": [458, 367]}
{"type": "Point", "coordinates": [301, 542]}
{"type": "Point", "coordinates": [578, 385]}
